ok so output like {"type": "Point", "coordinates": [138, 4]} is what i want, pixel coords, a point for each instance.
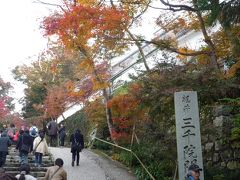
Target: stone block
{"type": "Point", "coordinates": [218, 121]}
{"type": "Point", "coordinates": [217, 111]}
{"type": "Point", "coordinates": [209, 146]}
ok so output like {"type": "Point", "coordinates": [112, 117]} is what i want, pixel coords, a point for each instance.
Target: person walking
{"type": "Point", "coordinates": [52, 131]}
{"type": "Point", "coordinates": [77, 144]}
{"type": "Point", "coordinates": [15, 137]}
{"type": "Point", "coordinates": [25, 146]}
{"type": "Point", "coordinates": [62, 134]}
{"type": "Point", "coordinates": [56, 172]}
{"type": "Point", "coordinates": [4, 127]}
{"type": "Point", "coordinates": [5, 142]}
{"type": "Point", "coordinates": [193, 172]}
{"type": "Point", "coordinates": [11, 131]}
{"type": "Point", "coordinates": [25, 173]}
{"type": "Point", "coordinates": [40, 148]}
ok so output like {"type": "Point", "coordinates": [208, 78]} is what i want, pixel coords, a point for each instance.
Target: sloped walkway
{"type": "Point", "coordinates": [92, 166]}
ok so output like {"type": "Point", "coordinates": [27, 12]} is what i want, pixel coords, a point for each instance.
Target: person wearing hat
{"type": "Point", "coordinates": [193, 172]}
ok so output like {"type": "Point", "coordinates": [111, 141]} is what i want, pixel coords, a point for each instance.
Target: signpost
{"type": "Point", "coordinates": [188, 132]}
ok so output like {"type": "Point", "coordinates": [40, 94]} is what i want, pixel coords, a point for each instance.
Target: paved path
{"type": "Point", "coordinates": [92, 166]}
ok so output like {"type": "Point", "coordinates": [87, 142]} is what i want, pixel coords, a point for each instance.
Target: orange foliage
{"type": "Point", "coordinates": [89, 29]}
{"type": "Point", "coordinates": [123, 105]}
{"type": "Point", "coordinates": [87, 2]}
{"type": "Point", "coordinates": [184, 50]}
{"type": "Point", "coordinates": [181, 22]}
{"type": "Point", "coordinates": [81, 23]}
{"type": "Point", "coordinates": [232, 71]}
{"type": "Point", "coordinates": [95, 112]}
{"type": "Point", "coordinates": [55, 102]}
{"type": "Point", "coordinates": [86, 65]}
{"type": "Point", "coordinates": [122, 131]}
{"type": "Point", "coordinates": [203, 59]}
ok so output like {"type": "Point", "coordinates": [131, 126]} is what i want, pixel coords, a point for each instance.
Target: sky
{"type": "Point", "coordinates": [21, 39]}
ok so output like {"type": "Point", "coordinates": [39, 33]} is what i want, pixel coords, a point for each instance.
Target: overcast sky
{"type": "Point", "coordinates": [20, 37]}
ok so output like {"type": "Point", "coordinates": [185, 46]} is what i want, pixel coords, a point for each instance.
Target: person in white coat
{"type": "Point", "coordinates": [40, 148]}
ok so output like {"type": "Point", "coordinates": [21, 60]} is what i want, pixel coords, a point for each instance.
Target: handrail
{"type": "Point", "coordinates": [129, 150]}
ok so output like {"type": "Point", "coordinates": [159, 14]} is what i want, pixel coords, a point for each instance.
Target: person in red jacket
{"type": "Point", "coordinates": [15, 137]}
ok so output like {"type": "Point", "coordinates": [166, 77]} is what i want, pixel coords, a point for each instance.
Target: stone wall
{"type": "Point", "coordinates": [219, 150]}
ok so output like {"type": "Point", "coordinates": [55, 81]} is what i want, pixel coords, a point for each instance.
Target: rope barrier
{"type": "Point", "coordinates": [144, 167]}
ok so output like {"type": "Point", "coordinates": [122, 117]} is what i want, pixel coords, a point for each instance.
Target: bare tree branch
{"type": "Point", "coordinates": [158, 7]}
{"type": "Point", "coordinates": [57, 5]}
{"type": "Point", "coordinates": [163, 46]}
{"type": "Point", "coordinates": [139, 48]}
{"type": "Point", "coordinates": [144, 10]}
{"type": "Point", "coordinates": [174, 7]}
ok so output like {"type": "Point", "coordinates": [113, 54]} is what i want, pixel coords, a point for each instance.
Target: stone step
{"type": "Point", "coordinates": [16, 164]}
{"type": "Point", "coordinates": [11, 158]}
{"type": "Point", "coordinates": [35, 174]}
{"type": "Point", "coordinates": [29, 155]}
{"type": "Point", "coordinates": [33, 168]}
{"type": "Point", "coordinates": [13, 163]}
{"type": "Point", "coordinates": [16, 158]}
{"type": "Point", "coordinates": [29, 158]}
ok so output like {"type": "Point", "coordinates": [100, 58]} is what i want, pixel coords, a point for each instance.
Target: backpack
{"type": "Point", "coordinates": [34, 132]}
{"type": "Point", "coordinates": [76, 146]}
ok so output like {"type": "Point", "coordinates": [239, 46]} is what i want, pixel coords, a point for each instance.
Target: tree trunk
{"type": "Point", "coordinates": [207, 39]}
{"type": "Point", "coordinates": [106, 95]}
{"type": "Point", "coordinates": [108, 112]}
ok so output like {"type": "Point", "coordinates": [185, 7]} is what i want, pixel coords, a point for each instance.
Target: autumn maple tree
{"type": "Point", "coordinates": [6, 104]}
{"type": "Point", "coordinates": [52, 70]}
{"type": "Point", "coordinates": [126, 113]}
{"type": "Point", "coordinates": [92, 31]}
